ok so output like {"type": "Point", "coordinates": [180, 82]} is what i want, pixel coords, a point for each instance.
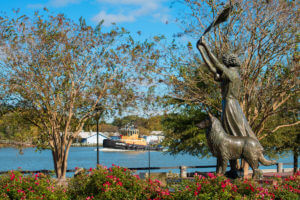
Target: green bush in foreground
{"type": "Point", "coordinates": [219, 187]}
{"type": "Point", "coordinates": [114, 183]}
{"type": "Point", "coordinates": [118, 183]}
{"type": "Point", "coordinates": [15, 185]}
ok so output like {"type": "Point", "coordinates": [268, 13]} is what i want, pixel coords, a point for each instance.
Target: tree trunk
{"type": "Point", "coordinates": [296, 154]}
{"type": "Point", "coordinates": [60, 158]}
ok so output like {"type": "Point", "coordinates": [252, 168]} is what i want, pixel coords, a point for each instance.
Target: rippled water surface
{"type": "Point", "coordinates": [86, 157]}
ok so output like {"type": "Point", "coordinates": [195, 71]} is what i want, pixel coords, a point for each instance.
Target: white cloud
{"type": "Point", "coordinates": [118, 11]}
{"type": "Point", "coordinates": [133, 10]}
{"type": "Point", "coordinates": [110, 18]}
{"type": "Point", "coordinates": [164, 18]}
{"type": "Point", "coordinates": [62, 3]}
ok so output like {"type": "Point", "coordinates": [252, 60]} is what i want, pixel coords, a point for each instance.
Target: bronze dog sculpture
{"type": "Point", "coordinates": [230, 148]}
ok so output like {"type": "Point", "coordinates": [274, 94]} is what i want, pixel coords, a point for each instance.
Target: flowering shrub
{"type": "Point", "coordinates": [114, 183]}
{"type": "Point", "coordinates": [219, 187]}
{"type": "Point", "coordinates": [213, 187]}
{"type": "Point", "coordinates": [288, 188]}
{"type": "Point", "coordinates": [119, 183]}
{"type": "Point", "coordinates": [15, 185]}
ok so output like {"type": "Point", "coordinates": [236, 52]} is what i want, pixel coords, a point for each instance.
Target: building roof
{"type": "Point", "coordinates": [85, 135]}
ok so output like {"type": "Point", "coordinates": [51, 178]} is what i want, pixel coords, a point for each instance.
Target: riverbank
{"type": "Point", "coordinates": [13, 143]}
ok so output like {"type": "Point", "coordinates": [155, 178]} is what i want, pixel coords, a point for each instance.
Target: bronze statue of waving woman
{"type": "Point", "coordinates": [227, 73]}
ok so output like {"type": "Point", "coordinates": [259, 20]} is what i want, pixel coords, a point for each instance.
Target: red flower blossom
{"type": "Point", "coordinates": [12, 176]}
{"type": "Point", "coordinates": [211, 175]}
{"type": "Point", "coordinates": [119, 183]}
{"type": "Point", "coordinates": [107, 184]}
{"type": "Point", "coordinates": [195, 193]}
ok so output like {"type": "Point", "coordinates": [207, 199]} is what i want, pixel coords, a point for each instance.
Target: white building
{"type": "Point", "coordinates": [91, 137]}
{"type": "Point", "coordinates": [155, 137]}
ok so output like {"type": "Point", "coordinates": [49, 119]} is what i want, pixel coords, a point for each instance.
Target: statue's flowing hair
{"type": "Point", "coordinates": [231, 60]}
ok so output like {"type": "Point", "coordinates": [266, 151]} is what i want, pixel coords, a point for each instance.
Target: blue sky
{"type": "Point", "coordinates": [151, 17]}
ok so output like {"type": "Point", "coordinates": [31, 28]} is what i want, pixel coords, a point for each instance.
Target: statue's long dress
{"type": "Point", "coordinates": [233, 118]}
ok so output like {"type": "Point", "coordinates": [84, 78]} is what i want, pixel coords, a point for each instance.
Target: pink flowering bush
{"type": "Point", "coordinates": [15, 185]}
{"type": "Point", "coordinates": [119, 183]}
{"type": "Point", "coordinates": [219, 187]}
{"type": "Point", "coordinates": [212, 187]}
{"type": "Point", "coordinates": [288, 188]}
{"type": "Point", "coordinates": [114, 183]}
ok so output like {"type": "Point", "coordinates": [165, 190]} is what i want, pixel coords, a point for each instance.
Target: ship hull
{"type": "Point", "coordinates": [115, 144]}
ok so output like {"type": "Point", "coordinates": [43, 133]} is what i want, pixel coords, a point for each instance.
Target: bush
{"type": "Point", "coordinates": [15, 185]}
{"type": "Point", "coordinates": [118, 183]}
{"type": "Point", "coordinates": [114, 183]}
{"type": "Point", "coordinates": [219, 187]}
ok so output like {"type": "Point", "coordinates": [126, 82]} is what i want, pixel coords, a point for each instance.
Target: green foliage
{"type": "Point", "coordinates": [181, 134]}
{"type": "Point", "coordinates": [112, 184]}
{"type": "Point", "coordinates": [284, 139]}
{"type": "Point", "coordinates": [144, 125]}
{"type": "Point", "coordinates": [91, 124]}
{"type": "Point", "coordinates": [15, 185]}
{"type": "Point", "coordinates": [118, 183]}
{"type": "Point", "coordinates": [132, 119]}
{"type": "Point", "coordinates": [60, 71]}
{"type": "Point", "coordinates": [269, 70]}
{"type": "Point", "coordinates": [14, 127]}
{"type": "Point", "coordinates": [218, 187]}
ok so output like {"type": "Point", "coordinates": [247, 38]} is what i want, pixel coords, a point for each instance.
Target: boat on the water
{"type": "Point", "coordinates": [129, 140]}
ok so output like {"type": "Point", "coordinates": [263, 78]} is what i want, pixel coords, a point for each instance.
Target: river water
{"type": "Point", "coordinates": [85, 157]}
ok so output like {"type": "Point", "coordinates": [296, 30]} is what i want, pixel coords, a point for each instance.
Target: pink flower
{"type": "Point", "coordinates": [195, 193]}
{"type": "Point", "coordinates": [20, 191]}
{"type": "Point", "coordinates": [234, 188]}
{"type": "Point", "coordinates": [223, 185]}
{"type": "Point", "coordinates": [37, 183]}
{"type": "Point", "coordinates": [12, 176]}
{"type": "Point", "coordinates": [136, 176]}
{"type": "Point", "coordinates": [166, 192]}
{"type": "Point", "coordinates": [157, 181]}
{"type": "Point", "coordinates": [107, 184]}
{"type": "Point", "coordinates": [211, 175]}
{"type": "Point", "coordinates": [119, 183]}
{"type": "Point", "coordinates": [199, 187]}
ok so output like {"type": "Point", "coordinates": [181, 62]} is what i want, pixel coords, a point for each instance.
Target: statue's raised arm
{"type": "Point", "coordinates": [211, 61]}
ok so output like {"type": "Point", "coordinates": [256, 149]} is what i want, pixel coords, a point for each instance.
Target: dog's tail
{"type": "Point", "coordinates": [266, 162]}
